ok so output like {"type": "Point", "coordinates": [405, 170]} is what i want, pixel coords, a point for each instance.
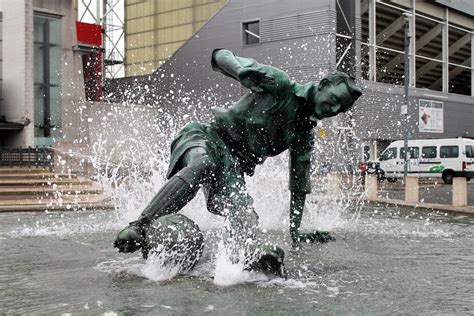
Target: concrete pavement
{"type": "Point", "coordinates": [433, 196]}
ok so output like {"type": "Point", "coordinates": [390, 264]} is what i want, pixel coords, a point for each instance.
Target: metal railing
{"type": "Point", "coordinates": [27, 157]}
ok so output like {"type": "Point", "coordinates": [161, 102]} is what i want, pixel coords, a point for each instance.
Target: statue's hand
{"type": "Point", "coordinates": [316, 237]}
{"type": "Point", "coordinates": [129, 239]}
{"type": "Point", "coordinates": [255, 79]}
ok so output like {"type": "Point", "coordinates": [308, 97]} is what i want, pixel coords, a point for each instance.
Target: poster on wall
{"type": "Point", "coordinates": [430, 116]}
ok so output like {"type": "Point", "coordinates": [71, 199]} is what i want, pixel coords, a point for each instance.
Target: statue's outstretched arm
{"type": "Point", "coordinates": [226, 62]}
{"type": "Point", "coordinates": [252, 75]}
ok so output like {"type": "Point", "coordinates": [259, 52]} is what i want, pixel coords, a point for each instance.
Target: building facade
{"type": "Point", "coordinates": [154, 30]}
{"type": "Point", "coordinates": [41, 71]}
{"type": "Point", "coordinates": [365, 38]}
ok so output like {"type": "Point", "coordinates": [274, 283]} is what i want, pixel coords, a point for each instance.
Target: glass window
{"type": "Point", "coordinates": [449, 152]}
{"type": "Point", "coordinates": [251, 32]}
{"type": "Point", "coordinates": [47, 74]}
{"type": "Point", "coordinates": [414, 152]}
{"type": "Point", "coordinates": [469, 151]}
{"type": "Point", "coordinates": [429, 152]}
{"type": "Point", "coordinates": [389, 153]}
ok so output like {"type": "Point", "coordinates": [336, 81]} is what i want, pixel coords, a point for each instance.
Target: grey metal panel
{"type": "Point", "coordinates": [377, 113]}
{"type": "Point", "coordinates": [305, 58]}
{"type": "Point", "coordinates": [465, 6]}
{"type": "Point", "coordinates": [300, 25]}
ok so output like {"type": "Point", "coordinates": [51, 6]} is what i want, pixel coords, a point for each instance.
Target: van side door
{"type": "Point", "coordinates": [450, 158]}
{"type": "Point", "coordinates": [413, 158]}
{"type": "Point", "coordinates": [429, 161]}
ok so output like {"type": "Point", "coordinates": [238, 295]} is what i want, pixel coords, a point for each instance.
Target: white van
{"type": "Point", "coordinates": [446, 158]}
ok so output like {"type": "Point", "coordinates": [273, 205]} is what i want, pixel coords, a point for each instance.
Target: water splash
{"type": "Point", "coordinates": [231, 272]}
{"type": "Point", "coordinates": [157, 268]}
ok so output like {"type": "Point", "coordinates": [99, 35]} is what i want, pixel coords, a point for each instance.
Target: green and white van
{"type": "Point", "coordinates": [446, 158]}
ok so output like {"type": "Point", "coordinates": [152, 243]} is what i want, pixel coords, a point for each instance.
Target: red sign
{"type": "Point", "coordinates": [90, 34]}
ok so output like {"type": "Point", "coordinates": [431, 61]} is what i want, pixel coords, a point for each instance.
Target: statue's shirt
{"type": "Point", "coordinates": [264, 124]}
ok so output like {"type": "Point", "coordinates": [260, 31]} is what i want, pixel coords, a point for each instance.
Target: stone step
{"type": "Point", "coordinates": [62, 207]}
{"type": "Point", "coordinates": [39, 175]}
{"type": "Point", "coordinates": [35, 199]}
{"type": "Point", "coordinates": [42, 182]}
{"type": "Point", "coordinates": [66, 203]}
{"type": "Point", "coordinates": [6, 170]}
{"type": "Point", "coordinates": [24, 189]}
{"type": "Point", "coordinates": [63, 189]}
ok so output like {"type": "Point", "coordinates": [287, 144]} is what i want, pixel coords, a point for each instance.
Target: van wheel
{"type": "Point", "coordinates": [448, 176]}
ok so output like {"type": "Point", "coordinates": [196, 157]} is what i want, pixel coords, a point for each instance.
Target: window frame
{"type": "Point", "coordinates": [49, 78]}
{"type": "Point", "coordinates": [246, 32]}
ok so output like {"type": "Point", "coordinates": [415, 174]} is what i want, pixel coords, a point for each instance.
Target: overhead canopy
{"type": "Point", "coordinates": [465, 6]}
{"type": "Point", "coordinates": [11, 126]}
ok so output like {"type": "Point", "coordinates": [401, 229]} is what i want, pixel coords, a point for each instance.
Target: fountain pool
{"type": "Point", "coordinates": [384, 261]}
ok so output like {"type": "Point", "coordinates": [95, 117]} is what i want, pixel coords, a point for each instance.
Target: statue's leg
{"type": "Point", "coordinates": [229, 197]}
{"type": "Point", "coordinates": [180, 188]}
{"type": "Point", "coordinates": [172, 197]}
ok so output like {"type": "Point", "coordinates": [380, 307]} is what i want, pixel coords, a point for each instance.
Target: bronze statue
{"type": "Point", "coordinates": [276, 114]}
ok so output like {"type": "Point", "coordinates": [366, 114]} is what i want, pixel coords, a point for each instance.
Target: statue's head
{"type": "Point", "coordinates": [336, 93]}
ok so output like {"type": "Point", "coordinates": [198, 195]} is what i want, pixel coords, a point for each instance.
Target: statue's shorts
{"type": "Point", "coordinates": [224, 187]}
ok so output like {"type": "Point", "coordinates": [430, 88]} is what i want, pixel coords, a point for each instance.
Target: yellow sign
{"type": "Point", "coordinates": [322, 133]}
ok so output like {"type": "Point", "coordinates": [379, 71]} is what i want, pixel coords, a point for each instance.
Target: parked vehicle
{"type": "Point", "coordinates": [445, 158]}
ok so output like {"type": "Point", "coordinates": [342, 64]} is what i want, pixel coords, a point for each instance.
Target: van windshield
{"type": "Point", "coordinates": [389, 153]}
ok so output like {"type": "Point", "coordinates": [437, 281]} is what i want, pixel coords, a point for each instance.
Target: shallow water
{"type": "Point", "coordinates": [384, 261]}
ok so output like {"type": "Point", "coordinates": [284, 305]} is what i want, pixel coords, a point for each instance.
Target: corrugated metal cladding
{"type": "Point", "coordinates": [295, 26]}
{"type": "Point", "coordinates": [305, 73]}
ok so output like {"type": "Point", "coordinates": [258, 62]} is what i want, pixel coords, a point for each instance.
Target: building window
{"type": "Point", "coordinates": [47, 76]}
{"type": "Point", "coordinates": [251, 32]}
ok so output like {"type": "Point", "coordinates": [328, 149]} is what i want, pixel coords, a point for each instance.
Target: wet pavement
{"type": "Point", "coordinates": [432, 193]}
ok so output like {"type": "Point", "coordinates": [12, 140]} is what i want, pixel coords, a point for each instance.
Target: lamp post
{"type": "Point", "coordinates": [408, 36]}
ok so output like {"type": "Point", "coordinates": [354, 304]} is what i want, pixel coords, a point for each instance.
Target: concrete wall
{"type": "Point", "coordinates": [72, 80]}
{"type": "Point", "coordinates": [378, 114]}
{"type": "Point", "coordinates": [1, 62]}
{"type": "Point", "coordinates": [18, 66]}
{"type": "Point", "coordinates": [18, 69]}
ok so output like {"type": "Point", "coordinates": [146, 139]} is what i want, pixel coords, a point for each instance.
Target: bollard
{"type": "Point", "coordinates": [412, 190]}
{"type": "Point", "coordinates": [371, 186]}
{"type": "Point", "coordinates": [459, 191]}
{"type": "Point", "coordinates": [333, 184]}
